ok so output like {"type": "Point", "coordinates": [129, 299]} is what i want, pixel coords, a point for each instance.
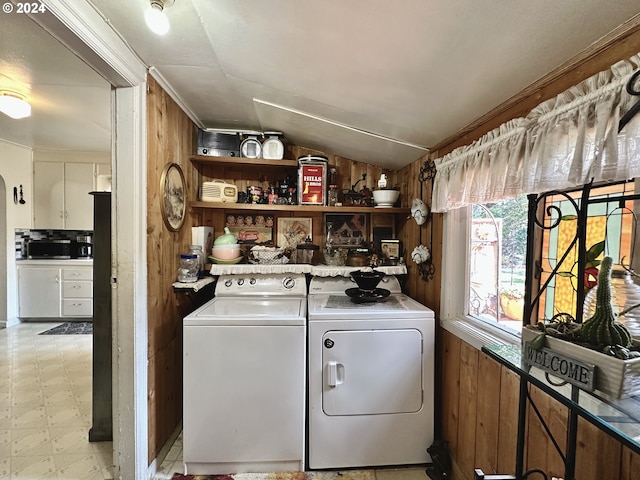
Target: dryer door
{"type": "Point", "coordinates": [370, 372]}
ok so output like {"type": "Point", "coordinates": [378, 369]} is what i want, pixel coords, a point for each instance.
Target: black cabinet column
{"type": "Point", "coordinates": [102, 424]}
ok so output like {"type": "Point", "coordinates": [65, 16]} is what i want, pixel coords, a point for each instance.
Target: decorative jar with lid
{"type": "Point", "coordinates": [197, 250]}
{"type": "Point", "coordinates": [188, 271]}
{"type": "Point", "coordinates": [272, 147]}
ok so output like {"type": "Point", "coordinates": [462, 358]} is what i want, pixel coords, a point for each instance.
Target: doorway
{"type": "Point", "coordinates": [3, 248]}
{"type": "Point", "coordinates": [86, 34]}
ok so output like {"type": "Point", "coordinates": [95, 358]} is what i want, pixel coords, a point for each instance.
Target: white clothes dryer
{"type": "Point", "coordinates": [371, 377]}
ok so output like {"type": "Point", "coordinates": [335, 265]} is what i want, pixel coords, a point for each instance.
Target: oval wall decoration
{"type": "Point", "coordinates": [174, 193]}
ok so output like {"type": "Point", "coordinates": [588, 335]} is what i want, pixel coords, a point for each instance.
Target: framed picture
{"type": "Point", "coordinates": [292, 231]}
{"type": "Point", "coordinates": [174, 196]}
{"type": "Point", "coordinates": [346, 230]}
{"type": "Point", "coordinates": [390, 248]}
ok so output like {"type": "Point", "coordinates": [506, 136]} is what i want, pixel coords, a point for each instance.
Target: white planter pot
{"type": "Point", "coordinates": [614, 378]}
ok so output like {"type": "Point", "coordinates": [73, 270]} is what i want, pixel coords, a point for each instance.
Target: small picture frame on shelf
{"type": "Point", "coordinates": [346, 230]}
{"type": "Point", "coordinates": [293, 231]}
{"type": "Point", "coordinates": [390, 249]}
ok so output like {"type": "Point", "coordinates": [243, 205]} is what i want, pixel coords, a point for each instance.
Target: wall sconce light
{"type": "Point", "coordinates": [14, 105]}
{"type": "Point", "coordinates": [155, 17]}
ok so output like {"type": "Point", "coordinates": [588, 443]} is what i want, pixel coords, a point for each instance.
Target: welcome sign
{"type": "Point", "coordinates": [568, 369]}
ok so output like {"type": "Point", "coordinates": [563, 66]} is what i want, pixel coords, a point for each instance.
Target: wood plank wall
{"type": "Point", "coordinates": [349, 172]}
{"type": "Point", "coordinates": [170, 140]}
{"type": "Point", "coordinates": [480, 434]}
{"type": "Point", "coordinates": [479, 418]}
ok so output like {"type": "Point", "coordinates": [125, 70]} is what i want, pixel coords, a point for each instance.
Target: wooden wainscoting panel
{"type": "Point", "coordinates": [593, 447]}
{"type": "Point", "coordinates": [540, 451]}
{"type": "Point", "coordinates": [487, 422]}
{"type": "Point", "coordinates": [508, 415]}
{"type": "Point", "coordinates": [468, 407]}
{"type": "Point", "coordinates": [450, 388]}
{"type": "Point", "coordinates": [630, 465]}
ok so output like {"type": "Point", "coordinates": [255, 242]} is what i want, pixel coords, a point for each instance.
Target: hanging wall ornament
{"type": "Point", "coordinates": [420, 254]}
{"type": "Point", "coordinates": [419, 211]}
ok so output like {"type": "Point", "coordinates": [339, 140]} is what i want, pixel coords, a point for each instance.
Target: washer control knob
{"type": "Point", "coordinates": [289, 283]}
{"type": "Point", "coordinates": [252, 281]}
{"type": "Point", "coordinates": [240, 281]}
{"type": "Point", "coordinates": [228, 283]}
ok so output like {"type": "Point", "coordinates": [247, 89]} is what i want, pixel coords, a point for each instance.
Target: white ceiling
{"type": "Point", "coordinates": [371, 80]}
{"type": "Point", "coordinates": [70, 102]}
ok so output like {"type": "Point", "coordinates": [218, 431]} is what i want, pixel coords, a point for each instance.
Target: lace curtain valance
{"type": "Point", "coordinates": [563, 143]}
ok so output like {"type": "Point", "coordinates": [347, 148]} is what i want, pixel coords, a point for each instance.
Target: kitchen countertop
{"type": "Point", "coordinates": [56, 261]}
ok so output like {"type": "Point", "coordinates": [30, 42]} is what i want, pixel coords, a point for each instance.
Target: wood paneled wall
{"type": "Point", "coordinates": [477, 398]}
{"type": "Point", "coordinates": [170, 140]}
{"type": "Point", "coordinates": [349, 172]}
{"type": "Point", "coordinates": [479, 420]}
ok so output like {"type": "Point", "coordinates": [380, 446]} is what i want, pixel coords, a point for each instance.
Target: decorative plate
{"type": "Point", "coordinates": [362, 296]}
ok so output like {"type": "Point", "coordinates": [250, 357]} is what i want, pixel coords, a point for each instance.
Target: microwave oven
{"type": "Point", "coordinates": [53, 249]}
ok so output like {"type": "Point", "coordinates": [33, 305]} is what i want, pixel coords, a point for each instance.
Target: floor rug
{"type": "Point", "coordinates": [71, 328]}
{"type": "Point", "coordinates": [342, 475]}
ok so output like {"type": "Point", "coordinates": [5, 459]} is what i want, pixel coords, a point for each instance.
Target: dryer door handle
{"type": "Point", "coordinates": [335, 373]}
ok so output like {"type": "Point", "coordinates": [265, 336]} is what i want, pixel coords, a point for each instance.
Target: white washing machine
{"type": "Point", "coordinates": [244, 377]}
{"type": "Point", "coordinates": [371, 377]}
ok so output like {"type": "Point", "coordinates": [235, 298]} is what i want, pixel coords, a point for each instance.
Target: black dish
{"type": "Point", "coordinates": [367, 280]}
{"type": "Point", "coordinates": [362, 296]}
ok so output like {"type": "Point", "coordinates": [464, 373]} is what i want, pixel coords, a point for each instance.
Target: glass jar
{"type": "Point", "coordinates": [272, 147]}
{"type": "Point", "coordinates": [188, 271]}
{"type": "Point", "coordinates": [197, 250]}
{"type": "Point", "coordinates": [333, 176]}
{"type": "Point", "coordinates": [332, 197]}
{"type": "Point", "coordinates": [251, 147]}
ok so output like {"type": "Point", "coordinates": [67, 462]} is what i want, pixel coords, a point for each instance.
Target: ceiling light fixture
{"type": "Point", "coordinates": [14, 105]}
{"type": "Point", "coordinates": [155, 17]}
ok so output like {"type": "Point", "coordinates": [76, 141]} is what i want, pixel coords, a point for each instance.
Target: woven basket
{"type": "Point", "coordinates": [268, 255]}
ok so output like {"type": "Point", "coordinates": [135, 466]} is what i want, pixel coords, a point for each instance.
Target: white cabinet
{"type": "Point", "coordinates": [57, 290]}
{"type": "Point", "coordinates": [38, 291]}
{"type": "Point", "coordinates": [77, 292]}
{"type": "Point", "coordinates": [61, 195]}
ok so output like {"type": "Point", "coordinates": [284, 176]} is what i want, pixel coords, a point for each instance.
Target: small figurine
{"type": "Point", "coordinates": [382, 183]}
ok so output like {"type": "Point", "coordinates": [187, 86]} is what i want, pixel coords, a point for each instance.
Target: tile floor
{"type": "Point", "coordinates": [45, 407]}
{"type": "Point", "coordinates": [45, 413]}
{"type": "Point", "coordinates": [173, 464]}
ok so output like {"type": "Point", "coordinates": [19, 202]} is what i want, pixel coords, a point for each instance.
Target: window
{"type": "Point", "coordinates": [610, 223]}
{"type": "Point", "coordinates": [566, 141]}
{"type": "Point", "coordinates": [497, 254]}
{"type": "Point", "coordinates": [494, 238]}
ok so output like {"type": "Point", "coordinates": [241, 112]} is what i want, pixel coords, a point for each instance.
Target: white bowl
{"type": "Point", "coordinates": [385, 198]}
{"type": "Point", "coordinates": [226, 252]}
